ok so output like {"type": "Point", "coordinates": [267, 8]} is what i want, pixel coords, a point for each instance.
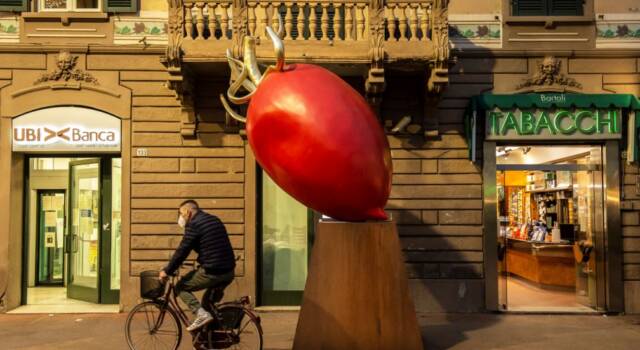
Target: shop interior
{"type": "Point", "coordinates": [62, 270]}
{"type": "Point", "coordinates": [550, 215]}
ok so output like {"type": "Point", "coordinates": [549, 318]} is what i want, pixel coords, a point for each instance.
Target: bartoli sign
{"type": "Point", "coordinates": [66, 129]}
{"type": "Point", "coordinates": [557, 123]}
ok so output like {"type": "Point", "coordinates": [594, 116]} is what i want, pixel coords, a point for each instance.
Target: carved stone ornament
{"type": "Point", "coordinates": [173, 52]}
{"type": "Point", "coordinates": [439, 77]}
{"type": "Point", "coordinates": [66, 71]}
{"type": "Point", "coordinates": [375, 83]}
{"type": "Point", "coordinates": [548, 76]}
{"type": "Point", "coordinates": [180, 80]}
{"type": "Point", "coordinates": [239, 23]}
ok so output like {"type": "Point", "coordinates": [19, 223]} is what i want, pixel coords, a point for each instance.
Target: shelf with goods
{"type": "Point", "coordinates": [535, 205]}
{"type": "Point", "coordinates": [553, 193]}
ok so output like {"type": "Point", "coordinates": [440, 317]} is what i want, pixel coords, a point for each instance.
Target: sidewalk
{"type": "Point", "coordinates": [440, 331]}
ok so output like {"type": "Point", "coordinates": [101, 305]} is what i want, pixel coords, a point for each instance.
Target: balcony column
{"type": "Point", "coordinates": [240, 11]}
{"type": "Point", "coordinates": [439, 75]}
{"type": "Point", "coordinates": [375, 83]}
{"type": "Point", "coordinates": [180, 81]}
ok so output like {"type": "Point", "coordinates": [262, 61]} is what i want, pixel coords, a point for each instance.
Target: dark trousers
{"type": "Point", "coordinates": [198, 280]}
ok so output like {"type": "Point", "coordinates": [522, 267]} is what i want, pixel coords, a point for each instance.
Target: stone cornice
{"type": "Point", "coordinates": [595, 53]}
{"type": "Point", "coordinates": [93, 48]}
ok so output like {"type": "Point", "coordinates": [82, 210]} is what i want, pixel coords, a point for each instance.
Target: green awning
{"type": "Point", "coordinates": [474, 115]}
{"type": "Point", "coordinates": [557, 100]}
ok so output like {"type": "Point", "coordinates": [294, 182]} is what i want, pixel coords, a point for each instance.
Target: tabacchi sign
{"type": "Point", "coordinates": [66, 129]}
{"type": "Point", "coordinates": [553, 124]}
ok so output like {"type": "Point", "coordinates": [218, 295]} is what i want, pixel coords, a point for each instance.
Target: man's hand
{"type": "Point", "coordinates": [162, 275]}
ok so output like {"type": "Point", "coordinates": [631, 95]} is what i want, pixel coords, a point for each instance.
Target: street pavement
{"type": "Point", "coordinates": [440, 331]}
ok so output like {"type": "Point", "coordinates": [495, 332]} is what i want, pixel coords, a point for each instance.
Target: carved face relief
{"type": "Point", "coordinates": [66, 61]}
{"type": "Point", "coordinates": [550, 67]}
{"type": "Point", "coordinates": [66, 71]}
{"type": "Point", "coordinates": [548, 74]}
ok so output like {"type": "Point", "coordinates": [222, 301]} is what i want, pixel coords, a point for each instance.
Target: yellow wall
{"type": "Point", "coordinates": [459, 7]}
{"type": "Point", "coordinates": [153, 5]}
{"type": "Point", "coordinates": [618, 6]}
{"type": "Point", "coordinates": [495, 6]}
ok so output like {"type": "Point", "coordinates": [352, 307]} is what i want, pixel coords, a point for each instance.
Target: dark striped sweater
{"type": "Point", "coordinates": [207, 236]}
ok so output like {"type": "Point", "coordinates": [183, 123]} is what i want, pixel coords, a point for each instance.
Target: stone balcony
{"type": "Point", "coordinates": [352, 37]}
{"type": "Point", "coordinates": [315, 31]}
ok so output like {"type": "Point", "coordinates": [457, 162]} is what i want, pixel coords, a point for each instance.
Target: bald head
{"type": "Point", "coordinates": [190, 205]}
{"type": "Point", "coordinates": [186, 211]}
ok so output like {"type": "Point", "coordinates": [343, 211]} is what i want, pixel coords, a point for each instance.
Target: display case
{"type": "Point", "coordinates": [546, 264]}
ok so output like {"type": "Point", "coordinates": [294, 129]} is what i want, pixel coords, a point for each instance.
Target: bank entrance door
{"type": "Point", "coordinates": [77, 236]}
{"type": "Point", "coordinates": [50, 237]}
{"type": "Point", "coordinates": [551, 226]}
{"type": "Point", "coordinates": [83, 237]}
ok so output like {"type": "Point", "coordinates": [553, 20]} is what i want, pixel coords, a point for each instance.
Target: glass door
{"type": "Point", "coordinates": [503, 221]}
{"type": "Point", "coordinates": [112, 231]}
{"type": "Point", "coordinates": [286, 228]}
{"type": "Point", "coordinates": [589, 233]}
{"type": "Point", "coordinates": [84, 230]}
{"type": "Point", "coordinates": [50, 238]}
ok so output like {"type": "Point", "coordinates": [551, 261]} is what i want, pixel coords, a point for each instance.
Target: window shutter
{"type": "Point", "coordinates": [14, 5]}
{"type": "Point", "coordinates": [120, 6]}
{"type": "Point", "coordinates": [566, 7]}
{"type": "Point", "coordinates": [529, 7]}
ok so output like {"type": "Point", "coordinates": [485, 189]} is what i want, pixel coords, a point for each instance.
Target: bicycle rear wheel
{"type": "Point", "coordinates": [149, 326]}
{"type": "Point", "coordinates": [242, 326]}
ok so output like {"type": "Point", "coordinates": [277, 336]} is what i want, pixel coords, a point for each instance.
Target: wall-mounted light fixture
{"type": "Point", "coordinates": [401, 125]}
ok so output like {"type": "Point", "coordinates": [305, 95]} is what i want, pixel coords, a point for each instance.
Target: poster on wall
{"type": "Point", "coordinates": [57, 202]}
{"type": "Point", "coordinates": [86, 226]}
{"type": "Point", "coordinates": [59, 232]}
{"type": "Point", "coordinates": [93, 256]}
{"type": "Point", "coordinates": [46, 203]}
{"type": "Point", "coordinates": [66, 129]}
{"type": "Point", "coordinates": [50, 240]}
{"type": "Point", "coordinates": [50, 218]}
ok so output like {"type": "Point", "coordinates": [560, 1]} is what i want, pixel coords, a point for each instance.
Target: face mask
{"type": "Point", "coordinates": [181, 221]}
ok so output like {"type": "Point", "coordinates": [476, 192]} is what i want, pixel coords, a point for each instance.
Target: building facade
{"type": "Point", "coordinates": [110, 117]}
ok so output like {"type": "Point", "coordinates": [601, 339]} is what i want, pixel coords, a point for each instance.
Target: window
{"type": "Point", "coordinates": [70, 5]}
{"type": "Point", "coordinates": [547, 7]}
{"type": "Point", "coordinates": [111, 6]}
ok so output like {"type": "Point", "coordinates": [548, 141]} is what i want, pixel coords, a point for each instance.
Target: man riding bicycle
{"type": "Point", "coordinates": [206, 235]}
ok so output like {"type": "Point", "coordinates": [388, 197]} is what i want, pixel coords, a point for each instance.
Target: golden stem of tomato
{"type": "Point", "coordinates": [247, 74]}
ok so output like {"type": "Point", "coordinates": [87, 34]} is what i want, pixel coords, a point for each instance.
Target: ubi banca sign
{"type": "Point", "coordinates": [66, 129]}
{"type": "Point", "coordinates": [539, 124]}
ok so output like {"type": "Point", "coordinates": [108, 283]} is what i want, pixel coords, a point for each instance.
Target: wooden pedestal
{"type": "Point", "coordinates": [357, 295]}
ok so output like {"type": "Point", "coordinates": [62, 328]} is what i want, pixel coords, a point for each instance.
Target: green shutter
{"type": "Point", "coordinates": [566, 7]}
{"type": "Point", "coordinates": [529, 7]}
{"type": "Point", "coordinates": [13, 5]}
{"type": "Point", "coordinates": [120, 6]}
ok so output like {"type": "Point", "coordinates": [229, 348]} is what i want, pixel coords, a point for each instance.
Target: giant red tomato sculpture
{"type": "Point", "coordinates": [316, 137]}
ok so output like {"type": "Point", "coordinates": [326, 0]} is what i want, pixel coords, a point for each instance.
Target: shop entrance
{"type": "Point", "coordinates": [551, 227]}
{"type": "Point", "coordinates": [73, 230]}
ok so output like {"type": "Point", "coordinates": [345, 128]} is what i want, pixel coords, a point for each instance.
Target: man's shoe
{"type": "Point", "coordinates": [202, 318]}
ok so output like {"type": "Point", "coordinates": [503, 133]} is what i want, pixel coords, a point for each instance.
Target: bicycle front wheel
{"type": "Point", "coordinates": [149, 326]}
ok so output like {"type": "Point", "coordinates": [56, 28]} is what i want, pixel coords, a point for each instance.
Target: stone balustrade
{"type": "Point", "coordinates": [329, 21]}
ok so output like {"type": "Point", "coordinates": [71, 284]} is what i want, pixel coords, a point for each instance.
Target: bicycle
{"type": "Point", "coordinates": [160, 319]}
